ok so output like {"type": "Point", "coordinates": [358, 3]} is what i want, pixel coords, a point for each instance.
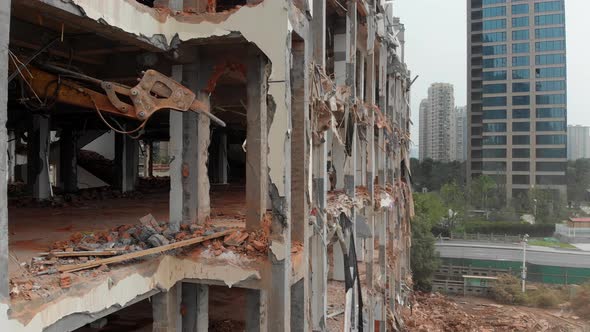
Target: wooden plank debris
{"type": "Point", "coordinates": [138, 254]}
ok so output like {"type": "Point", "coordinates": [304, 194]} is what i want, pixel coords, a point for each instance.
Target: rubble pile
{"type": "Point", "coordinates": [433, 312]}
{"type": "Point", "coordinates": [88, 247]}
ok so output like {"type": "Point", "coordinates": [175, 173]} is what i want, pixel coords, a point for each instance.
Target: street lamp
{"type": "Point", "coordinates": [525, 239]}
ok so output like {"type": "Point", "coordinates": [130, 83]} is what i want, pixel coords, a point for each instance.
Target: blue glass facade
{"type": "Point", "coordinates": [552, 72]}
{"type": "Point", "coordinates": [557, 99]}
{"type": "Point", "coordinates": [550, 6]}
{"type": "Point", "coordinates": [494, 63]}
{"type": "Point", "coordinates": [521, 100]}
{"type": "Point", "coordinates": [518, 22]}
{"type": "Point", "coordinates": [521, 139]}
{"type": "Point", "coordinates": [494, 37]}
{"type": "Point", "coordinates": [494, 88]}
{"type": "Point", "coordinates": [494, 50]}
{"type": "Point", "coordinates": [494, 101]}
{"type": "Point", "coordinates": [521, 48]}
{"type": "Point", "coordinates": [522, 92]}
{"type": "Point", "coordinates": [551, 126]}
{"type": "Point", "coordinates": [494, 127]}
{"type": "Point", "coordinates": [521, 74]}
{"type": "Point", "coordinates": [520, 9]}
{"type": "Point", "coordinates": [554, 112]}
{"type": "Point", "coordinates": [551, 19]}
{"type": "Point", "coordinates": [494, 114]}
{"type": "Point", "coordinates": [547, 33]}
{"type": "Point", "coordinates": [520, 61]}
{"type": "Point", "coordinates": [550, 59]}
{"type": "Point", "coordinates": [521, 113]}
{"type": "Point", "coordinates": [494, 140]}
{"type": "Point", "coordinates": [494, 11]}
{"type": "Point", "coordinates": [494, 24]}
{"type": "Point", "coordinates": [550, 86]}
{"type": "Point", "coordinates": [550, 45]}
{"type": "Point", "coordinates": [499, 75]}
{"type": "Point", "coordinates": [551, 153]}
{"type": "Point", "coordinates": [552, 139]}
{"type": "Point", "coordinates": [492, 2]}
{"type": "Point", "coordinates": [521, 87]}
{"type": "Point", "coordinates": [520, 35]}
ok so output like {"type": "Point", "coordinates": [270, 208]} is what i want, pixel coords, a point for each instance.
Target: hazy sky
{"type": "Point", "coordinates": [436, 49]}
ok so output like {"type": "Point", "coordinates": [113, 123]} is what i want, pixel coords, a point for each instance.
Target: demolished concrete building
{"type": "Point", "coordinates": [287, 124]}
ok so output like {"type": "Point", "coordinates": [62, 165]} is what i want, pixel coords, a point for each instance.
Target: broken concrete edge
{"type": "Point", "coordinates": [109, 293]}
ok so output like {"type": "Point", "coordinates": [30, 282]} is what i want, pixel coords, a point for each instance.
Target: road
{"type": "Point", "coordinates": [508, 252]}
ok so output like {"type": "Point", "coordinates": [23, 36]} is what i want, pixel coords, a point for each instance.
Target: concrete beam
{"type": "Point", "coordinates": [256, 141]}
{"type": "Point", "coordinates": [4, 40]}
{"type": "Point", "coordinates": [166, 310]}
{"type": "Point", "coordinates": [37, 157]}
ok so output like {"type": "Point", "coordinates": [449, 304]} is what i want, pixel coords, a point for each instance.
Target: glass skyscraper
{"type": "Point", "coordinates": [517, 93]}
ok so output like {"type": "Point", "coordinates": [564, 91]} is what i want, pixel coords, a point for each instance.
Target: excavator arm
{"type": "Point", "coordinates": [154, 92]}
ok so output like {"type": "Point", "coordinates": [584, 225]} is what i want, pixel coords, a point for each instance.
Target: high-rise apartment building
{"type": "Point", "coordinates": [578, 142]}
{"type": "Point", "coordinates": [435, 122]}
{"type": "Point", "coordinates": [517, 93]}
{"type": "Point", "coordinates": [459, 134]}
{"type": "Point", "coordinates": [424, 129]}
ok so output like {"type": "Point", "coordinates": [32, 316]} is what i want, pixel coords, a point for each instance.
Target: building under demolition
{"type": "Point", "coordinates": [287, 165]}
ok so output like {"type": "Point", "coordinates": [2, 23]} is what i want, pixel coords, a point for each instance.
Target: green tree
{"type": "Point", "coordinates": [430, 207]}
{"type": "Point", "coordinates": [453, 198]}
{"type": "Point", "coordinates": [578, 180]}
{"type": "Point", "coordinates": [480, 190]}
{"type": "Point", "coordinates": [424, 258]}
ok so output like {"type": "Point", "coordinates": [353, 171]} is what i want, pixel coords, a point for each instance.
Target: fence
{"type": "Point", "coordinates": [486, 237]}
{"type": "Point", "coordinates": [575, 232]}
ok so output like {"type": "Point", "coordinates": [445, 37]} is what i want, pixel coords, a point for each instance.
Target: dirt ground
{"type": "Point", "coordinates": [435, 312]}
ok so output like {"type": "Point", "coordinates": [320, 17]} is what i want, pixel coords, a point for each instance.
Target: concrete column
{"type": "Point", "coordinates": [256, 311]}
{"type": "Point", "coordinates": [316, 288]}
{"type": "Point", "coordinates": [298, 319]}
{"type": "Point", "coordinates": [338, 161]}
{"type": "Point", "coordinates": [11, 156]}
{"type": "Point", "coordinates": [256, 142]}
{"type": "Point", "coordinates": [338, 151]}
{"type": "Point", "coordinates": [222, 162]}
{"type": "Point", "coordinates": [299, 143]}
{"type": "Point", "coordinates": [4, 40]}
{"type": "Point", "coordinates": [370, 211]}
{"type": "Point", "coordinates": [300, 173]}
{"type": "Point", "coordinates": [68, 164]}
{"type": "Point", "coordinates": [126, 162]}
{"type": "Point", "coordinates": [195, 304]}
{"type": "Point", "coordinates": [189, 142]}
{"type": "Point", "coordinates": [148, 163]}
{"type": "Point", "coordinates": [166, 310]}
{"type": "Point", "coordinates": [381, 220]}
{"type": "Point", "coordinates": [38, 157]}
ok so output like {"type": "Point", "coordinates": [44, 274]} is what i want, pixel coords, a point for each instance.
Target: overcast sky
{"type": "Point", "coordinates": [436, 49]}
